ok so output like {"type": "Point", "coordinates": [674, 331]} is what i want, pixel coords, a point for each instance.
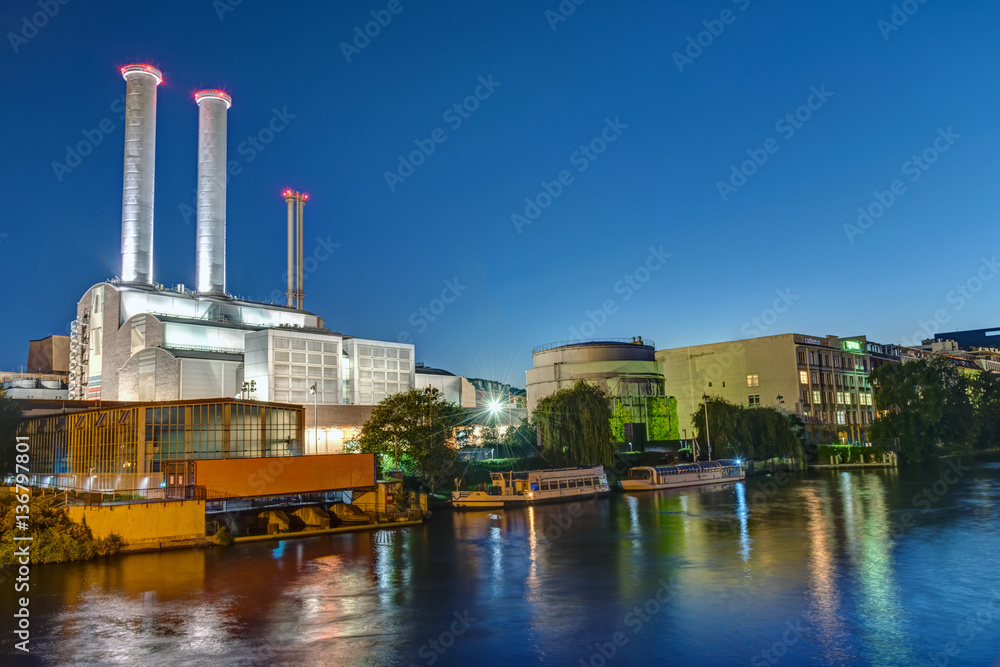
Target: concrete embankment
{"type": "Point", "coordinates": [147, 526]}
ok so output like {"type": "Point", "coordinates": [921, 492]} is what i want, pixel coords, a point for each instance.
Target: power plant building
{"type": "Point", "coordinates": [134, 340]}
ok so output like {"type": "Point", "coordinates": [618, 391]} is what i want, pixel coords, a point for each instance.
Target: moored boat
{"type": "Point", "coordinates": [685, 474]}
{"type": "Point", "coordinates": [515, 489]}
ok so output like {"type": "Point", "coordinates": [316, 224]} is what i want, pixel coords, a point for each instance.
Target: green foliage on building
{"type": "Point", "coordinates": [575, 426]}
{"type": "Point", "coordinates": [620, 415]}
{"type": "Point", "coordinates": [658, 413]}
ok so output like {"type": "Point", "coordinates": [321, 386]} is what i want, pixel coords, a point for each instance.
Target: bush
{"type": "Point", "coordinates": [111, 545]}
{"type": "Point", "coordinates": [224, 538]}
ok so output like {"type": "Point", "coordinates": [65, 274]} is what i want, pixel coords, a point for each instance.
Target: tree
{"type": "Point", "coordinates": [574, 426]}
{"type": "Point", "coordinates": [751, 433]}
{"type": "Point", "coordinates": [10, 415]}
{"type": "Point", "coordinates": [521, 441]}
{"type": "Point", "coordinates": [928, 406]}
{"type": "Point", "coordinates": [420, 425]}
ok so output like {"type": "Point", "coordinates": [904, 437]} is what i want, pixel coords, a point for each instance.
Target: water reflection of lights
{"type": "Point", "coordinates": [884, 619]}
{"type": "Point", "coordinates": [822, 579]}
{"type": "Point", "coordinates": [743, 514]}
{"type": "Point", "coordinates": [633, 520]}
{"type": "Point", "coordinates": [533, 584]}
{"type": "Point", "coordinates": [496, 558]}
{"type": "Point", "coordinates": [279, 550]}
{"type": "Point", "coordinates": [847, 494]}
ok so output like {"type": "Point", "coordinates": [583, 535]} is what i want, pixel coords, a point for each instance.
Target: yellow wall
{"type": "Point", "coordinates": [146, 525]}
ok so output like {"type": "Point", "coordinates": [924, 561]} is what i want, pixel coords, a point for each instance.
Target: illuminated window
{"type": "Point", "coordinates": [753, 381]}
{"type": "Point", "coordinates": [841, 417]}
{"type": "Point", "coordinates": [817, 398]}
{"type": "Point", "coordinates": [803, 377]}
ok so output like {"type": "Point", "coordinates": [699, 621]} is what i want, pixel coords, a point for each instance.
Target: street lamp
{"type": "Point", "coordinates": [315, 395]}
{"type": "Point", "coordinates": [708, 435]}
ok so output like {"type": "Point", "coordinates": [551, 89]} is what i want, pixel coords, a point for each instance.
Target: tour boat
{"type": "Point", "coordinates": [514, 489]}
{"type": "Point", "coordinates": [686, 474]}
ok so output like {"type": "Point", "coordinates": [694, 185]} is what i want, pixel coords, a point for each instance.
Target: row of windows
{"type": "Point", "coordinates": [845, 397]}
{"type": "Point", "coordinates": [303, 344]}
{"type": "Point", "coordinates": [839, 361]}
{"type": "Point", "coordinates": [384, 363]}
{"type": "Point", "coordinates": [555, 485]}
{"type": "Point", "coordinates": [304, 357]}
{"type": "Point", "coordinates": [843, 417]}
{"type": "Point", "coordinates": [299, 372]}
{"type": "Point", "coordinates": [828, 379]}
{"type": "Point", "coordinates": [387, 352]}
{"type": "Point", "coordinates": [392, 376]}
{"type": "Point", "coordinates": [383, 387]}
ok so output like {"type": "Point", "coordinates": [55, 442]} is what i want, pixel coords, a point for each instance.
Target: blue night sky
{"type": "Point", "coordinates": [776, 237]}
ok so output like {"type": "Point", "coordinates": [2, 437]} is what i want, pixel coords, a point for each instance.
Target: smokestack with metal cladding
{"type": "Point", "coordinates": [141, 81]}
{"type": "Point", "coordinates": [210, 260]}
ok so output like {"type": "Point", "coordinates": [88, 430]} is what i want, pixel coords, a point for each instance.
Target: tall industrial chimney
{"type": "Point", "coordinates": [302, 279]}
{"type": "Point", "coordinates": [296, 292]}
{"type": "Point", "coordinates": [141, 81]}
{"type": "Point", "coordinates": [210, 254]}
{"type": "Point", "coordinates": [290, 293]}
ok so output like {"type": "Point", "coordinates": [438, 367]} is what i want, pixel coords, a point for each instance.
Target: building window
{"type": "Point", "coordinates": [841, 417]}
{"type": "Point", "coordinates": [817, 397]}
{"type": "Point", "coordinates": [815, 378]}
{"type": "Point", "coordinates": [801, 356]}
{"type": "Point", "coordinates": [753, 399]}
{"type": "Point", "coordinates": [803, 377]}
{"type": "Point", "coordinates": [826, 359]}
{"type": "Point", "coordinates": [812, 357]}
{"type": "Point", "coordinates": [753, 381]}
{"type": "Point", "coordinates": [835, 361]}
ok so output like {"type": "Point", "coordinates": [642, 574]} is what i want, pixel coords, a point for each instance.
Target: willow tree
{"type": "Point", "coordinates": [574, 425]}
{"type": "Point", "coordinates": [752, 433]}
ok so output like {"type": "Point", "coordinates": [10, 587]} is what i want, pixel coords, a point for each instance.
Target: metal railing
{"type": "Point", "coordinates": [98, 497]}
{"type": "Point", "coordinates": [594, 341]}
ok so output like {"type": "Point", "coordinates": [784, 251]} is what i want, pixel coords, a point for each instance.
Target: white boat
{"type": "Point", "coordinates": [685, 474]}
{"type": "Point", "coordinates": [530, 487]}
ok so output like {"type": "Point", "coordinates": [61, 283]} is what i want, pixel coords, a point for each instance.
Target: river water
{"type": "Point", "coordinates": [845, 568]}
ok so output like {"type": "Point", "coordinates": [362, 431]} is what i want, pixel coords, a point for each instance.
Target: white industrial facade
{"type": "Point", "coordinates": [141, 343]}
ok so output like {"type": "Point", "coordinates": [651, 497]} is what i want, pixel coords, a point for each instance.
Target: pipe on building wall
{"type": "Point", "coordinates": [141, 81]}
{"type": "Point", "coordinates": [210, 251]}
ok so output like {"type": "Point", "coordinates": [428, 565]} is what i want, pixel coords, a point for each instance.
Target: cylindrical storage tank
{"type": "Point", "coordinates": [210, 253]}
{"type": "Point", "coordinates": [141, 81]}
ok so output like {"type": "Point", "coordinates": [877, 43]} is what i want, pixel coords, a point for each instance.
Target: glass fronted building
{"type": "Point", "coordinates": [138, 446]}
